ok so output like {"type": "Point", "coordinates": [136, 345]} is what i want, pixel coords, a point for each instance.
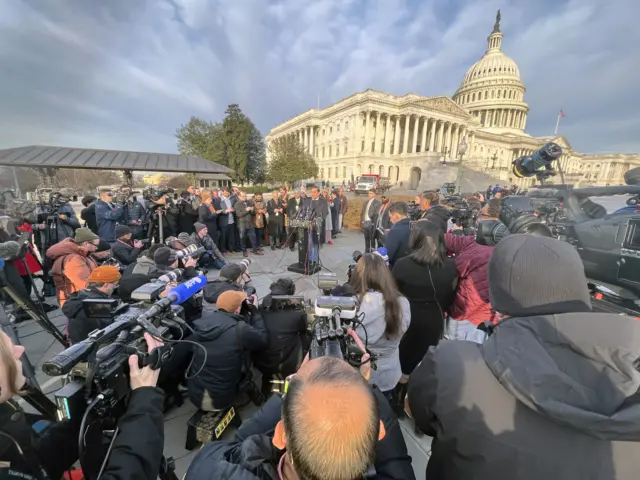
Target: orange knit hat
{"type": "Point", "coordinates": [104, 274]}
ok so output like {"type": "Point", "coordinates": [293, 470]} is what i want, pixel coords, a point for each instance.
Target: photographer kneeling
{"type": "Point", "coordinates": [101, 283]}
{"type": "Point", "coordinates": [228, 336]}
{"type": "Point", "coordinates": [330, 424]}
{"type": "Point", "coordinates": [212, 258]}
{"type": "Point", "coordinates": [125, 249]}
{"type": "Point", "coordinates": [288, 337]}
{"type": "Point", "coordinates": [136, 451]}
{"type": "Point", "coordinates": [234, 277]}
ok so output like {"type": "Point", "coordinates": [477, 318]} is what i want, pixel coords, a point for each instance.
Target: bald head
{"type": "Point", "coordinates": [331, 421]}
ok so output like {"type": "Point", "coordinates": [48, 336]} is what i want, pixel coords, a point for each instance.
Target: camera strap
{"type": "Point", "coordinates": [245, 360]}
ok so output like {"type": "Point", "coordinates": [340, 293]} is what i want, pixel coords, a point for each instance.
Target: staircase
{"type": "Point", "coordinates": [435, 174]}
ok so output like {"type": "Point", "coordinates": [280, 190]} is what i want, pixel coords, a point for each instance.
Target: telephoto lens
{"type": "Point", "coordinates": [530, 165]}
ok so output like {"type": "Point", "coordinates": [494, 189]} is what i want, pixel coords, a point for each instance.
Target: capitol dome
{"type": "Point", "coordinates": [492, 90]}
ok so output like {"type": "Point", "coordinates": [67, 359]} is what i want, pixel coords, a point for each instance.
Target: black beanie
{"type": "Point", "coordinates": [164, 256]}
{"type": "Point", "coordinates": [122, 230]}
{"type": "Point", "coordinates": [531, 275]}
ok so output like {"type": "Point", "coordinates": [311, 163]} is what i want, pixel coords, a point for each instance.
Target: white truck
{"type": "Point", "coordinates": [370, 180]}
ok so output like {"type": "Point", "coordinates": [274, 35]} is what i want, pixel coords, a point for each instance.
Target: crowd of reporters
{"type": "Point", "coordinates": [493, 351]}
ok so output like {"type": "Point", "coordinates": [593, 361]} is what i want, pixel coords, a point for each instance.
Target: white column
{"type": "Point", "coordinates": [312, 143]}
{"type": "Point", "coordinates": [455, 141]}
{"type": "Point", "coordinates": [367, 144]}
{"type": "Point", "coordinates": [415, 134]}
{"type": "Point", "coordinates": [396, 136]}
{"type": "Point", "coordinates": [440, 135]}
{"type": "Point", "coordinates": [407, 119]}
{"type": "Point", "coordinates": [387, 131]}
{"type": "Point", "coordinates": [432, 135]}
{"type": "Point", "coordinates": [305, 139]}
{"type": "Point", "coordinates": [356, 135]}
{"type": "Point", "coordinates": [448, 138]}
{"type": "Point", "coordinates": [378, 134]}
{"type": "Point", "coordinates": [423, 140]}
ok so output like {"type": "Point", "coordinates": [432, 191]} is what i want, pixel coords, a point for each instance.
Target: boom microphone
{"type": "Point", "coordinates": [186, 290]}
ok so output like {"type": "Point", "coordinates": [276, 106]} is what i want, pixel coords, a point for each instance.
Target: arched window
{"type": "Point", "coordinates": [493, 94]}
{"type": "Point", "coordinates": [499, 93]}
{"type": "Point", "coordinates": [473, 97]}
{"type": "Point", "coordinates": [486, 94]}
{"type": "Point", "coordinates": [505, 94]}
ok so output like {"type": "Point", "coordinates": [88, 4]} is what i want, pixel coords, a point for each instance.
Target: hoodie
{"type": "Point", "coordinates": [71, 267]}
{"type": "Point", "coordinates": [552, 393]}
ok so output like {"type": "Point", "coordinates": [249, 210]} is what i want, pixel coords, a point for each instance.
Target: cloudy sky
{"type": "Point", "coordinates": [124, 74]}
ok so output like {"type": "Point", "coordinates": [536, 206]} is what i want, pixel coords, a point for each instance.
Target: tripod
{"type": "Point", "coordinates": [28, 306]}
{"type": "Point", "coordinates": [49, 237]}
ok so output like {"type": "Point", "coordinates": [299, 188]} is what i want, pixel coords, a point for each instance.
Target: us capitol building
{"type": "Point", "coordinates": [408, 137]}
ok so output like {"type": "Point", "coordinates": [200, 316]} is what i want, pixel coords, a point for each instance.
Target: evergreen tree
{"type": "Point", "coordinates": [289, 162]}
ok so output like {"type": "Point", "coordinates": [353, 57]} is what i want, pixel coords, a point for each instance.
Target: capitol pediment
{"type": "Point", "coordinates": [443, 104]}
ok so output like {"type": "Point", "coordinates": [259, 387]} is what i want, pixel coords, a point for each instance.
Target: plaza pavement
{"type": "Point", "coordinates": [264, 270]}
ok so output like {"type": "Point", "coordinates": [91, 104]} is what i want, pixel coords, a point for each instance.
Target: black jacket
{"type": "Point", "coordinates": [545, 397]}
{"type": "Point", "coordinates": [292, 203]}
{"type": "Point", "coordinates": [252, 456]}
{"type": "Point", "coordinates": [437, 214]}
{"type": "Point", "coordinates": [373, 211]}
{"type": "Point", "coordinates": [287, 342]}
{"type": "Point", "coordinates": [79, 325]}
{"type": "Point", "coordinates": [397, 241]}
{"type": "Point", "coordinates": [89, 216]}
{"type": "Point", "coordinates": [124, 252]}
{"type": "Point", "coordinates": [221, 333]}
{"type": "Point", "coordinates": [136, 452]}
{"type": "Point", "coordinates": [134, 211]}
{"type": "Point", "coordinates": [188, 215]}
{"type": "Point", "coordinates": [209, 218]}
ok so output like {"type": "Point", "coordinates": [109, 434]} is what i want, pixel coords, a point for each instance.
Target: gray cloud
{"type": "Point", "coordinates": [124, 74]}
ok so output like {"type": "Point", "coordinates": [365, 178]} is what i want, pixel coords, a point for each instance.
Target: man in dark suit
{"type": "Point", "coordinates": [369, 219]}
{"type": "Point", "coordinates": [294, 208]}
{"type": "Point", "coordinates": [316, 208]}
{"type": "Point", "coordinates": [398, 236]}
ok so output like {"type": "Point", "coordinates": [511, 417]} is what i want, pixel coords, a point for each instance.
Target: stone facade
{"type": "Point", "coordinates": [404, 137]}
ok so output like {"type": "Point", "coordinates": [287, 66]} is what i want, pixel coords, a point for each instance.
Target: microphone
{"type": "Point", "coordinates": [186, 290]}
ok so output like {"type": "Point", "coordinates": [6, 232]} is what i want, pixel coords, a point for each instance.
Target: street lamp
{"type": "Point", "coordinates": [493, 161]}
{"type": "Point", "coordinates": [462, 149]}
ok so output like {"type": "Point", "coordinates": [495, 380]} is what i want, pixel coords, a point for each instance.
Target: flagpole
{"type": "Point", "coordinates": [557, 125]}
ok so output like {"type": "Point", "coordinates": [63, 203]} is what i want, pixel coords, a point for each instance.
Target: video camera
{"type": "Point", "coordinates": [462, 212]}
{"type": "Point", "coordinates": [334, 316]}
{"type": "Point", "coordinates": [98, 366]}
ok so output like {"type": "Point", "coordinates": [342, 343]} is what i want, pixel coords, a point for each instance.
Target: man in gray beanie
{"type": "Point", "coordinates": [553, 391]}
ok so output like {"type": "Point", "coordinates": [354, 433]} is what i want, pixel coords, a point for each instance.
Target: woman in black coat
{"type": "Point", "coordinates": [428, 279]}
{"type": "Point", "coordinates": [276, 220]}
{"type": "Point", "coordinates": [208, 214]}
